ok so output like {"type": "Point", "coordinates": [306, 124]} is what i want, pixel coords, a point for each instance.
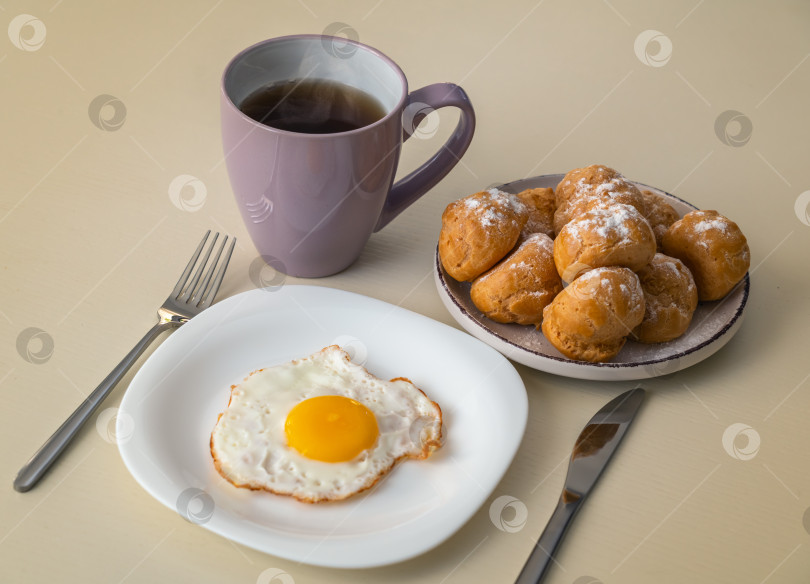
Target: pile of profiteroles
{"type": "Point", "coordinates": [593, 262]}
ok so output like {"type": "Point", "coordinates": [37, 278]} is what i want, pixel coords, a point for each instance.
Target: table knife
{"type": "Point", "coordinates": [592, 452]}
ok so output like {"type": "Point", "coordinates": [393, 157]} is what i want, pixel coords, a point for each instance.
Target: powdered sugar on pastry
{"type": "Point", "coordinates": [712, 247]}
{"type": "Point", "coordinates": [478, 230]}
{"type": "Point", "coordinates": [597, 279]}
{"type": "Point", "coordinates": [605, 235]}
{"type": "Point", "coordinates": [518, 288]}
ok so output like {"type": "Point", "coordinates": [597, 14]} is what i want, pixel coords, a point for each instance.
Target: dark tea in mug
{"type": "Point", "coordinates": [312, 106]}
{"type": "Point", "coordinates": [312, 142]}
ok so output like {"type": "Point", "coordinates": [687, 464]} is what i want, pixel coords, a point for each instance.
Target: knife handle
{"type": "Point", "coordinates": [539, 561]}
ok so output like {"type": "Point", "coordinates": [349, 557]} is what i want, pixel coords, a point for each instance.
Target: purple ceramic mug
{"type": "Point", "coordinates": [311, 201]}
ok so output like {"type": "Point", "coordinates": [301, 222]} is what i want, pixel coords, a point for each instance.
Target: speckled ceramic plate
{"type": "Point", "coordinates": [713, 324]}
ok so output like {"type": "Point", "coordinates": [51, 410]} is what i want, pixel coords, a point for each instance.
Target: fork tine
{"type": "Point", "coordinates": [212, 267]}
{"type": "Point", "coordinates": [184, 276]}
{"type": "Point", "coordinates": [207, 300]}
{"type": "Point", "coordinates": [189, 292]}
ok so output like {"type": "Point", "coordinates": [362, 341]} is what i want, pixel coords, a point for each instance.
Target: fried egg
{"type": "Point", "coordinates": [321, 428]}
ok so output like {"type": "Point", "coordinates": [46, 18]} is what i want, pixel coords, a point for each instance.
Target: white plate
{"type": "Point", "coordinates": [713, 324]}
{"type": "Point", "coordinates": [173, 402]}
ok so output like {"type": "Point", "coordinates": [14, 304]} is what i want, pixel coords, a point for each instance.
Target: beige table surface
{"type": "Point", "coordinates": [90, 242]}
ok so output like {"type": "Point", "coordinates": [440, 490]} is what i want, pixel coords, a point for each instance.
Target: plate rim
{"type": "Point", "coordinates": [517, 407]}
{"type": "Point", "coordinates": [440, 276]}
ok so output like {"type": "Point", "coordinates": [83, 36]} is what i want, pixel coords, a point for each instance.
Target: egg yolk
{"type": "Point", "coordinates": [331, 428]}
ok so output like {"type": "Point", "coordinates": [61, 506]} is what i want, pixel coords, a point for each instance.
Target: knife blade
{"type": "Point", "coordinates": [592, 452]}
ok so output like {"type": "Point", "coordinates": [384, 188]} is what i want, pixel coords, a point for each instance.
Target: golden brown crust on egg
{"type": "Point", "coordinates": [433, 443]}
{"type": "Point", "coordinates": [478, 230]}
{"type": "Point", "coordinates": [713, 248]}
{"type": "Point", "coordinates": [429, 445]}
{"type": "Point", "coordinates": [297, 496]}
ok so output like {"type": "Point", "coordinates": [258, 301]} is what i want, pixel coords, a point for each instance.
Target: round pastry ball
{"type": "Point", "coordinates": [521, 286]}
{"type": "Point", "coordinates": [541, 205]}
{"type": "Point", "coordinates": [581, 179]}
{"type": "Point", "coordinates": [478, 230]}
{"type": "Point", "coordinates": [670, 297]}
{"type": "Point", "coordinates": [617, 190]}
{"type": "Point", "coordinates": [591, 318]}
{"type": "Point", "coordinates": [660, 215]}
{"type": "Point", "coordinates": [605, 235]}
{"type": "Point", "coordinates": [713, 248]}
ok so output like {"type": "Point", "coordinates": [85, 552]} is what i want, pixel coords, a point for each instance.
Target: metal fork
{"type": "Point", "coordinates": [189, 297]}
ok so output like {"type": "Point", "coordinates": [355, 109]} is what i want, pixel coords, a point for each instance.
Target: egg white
{"type": "Point", "coordinates": [249, 444]}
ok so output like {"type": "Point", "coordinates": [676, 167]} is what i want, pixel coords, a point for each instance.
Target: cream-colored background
{"type": "Point", "coordinates": [90, 243]}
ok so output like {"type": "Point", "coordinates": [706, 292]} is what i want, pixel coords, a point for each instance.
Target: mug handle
{"type": "Point", "coordinates": [418, 105]}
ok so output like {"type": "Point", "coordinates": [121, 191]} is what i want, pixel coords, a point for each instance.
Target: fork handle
{"type": "Point", "coordinates": [42, 460]}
